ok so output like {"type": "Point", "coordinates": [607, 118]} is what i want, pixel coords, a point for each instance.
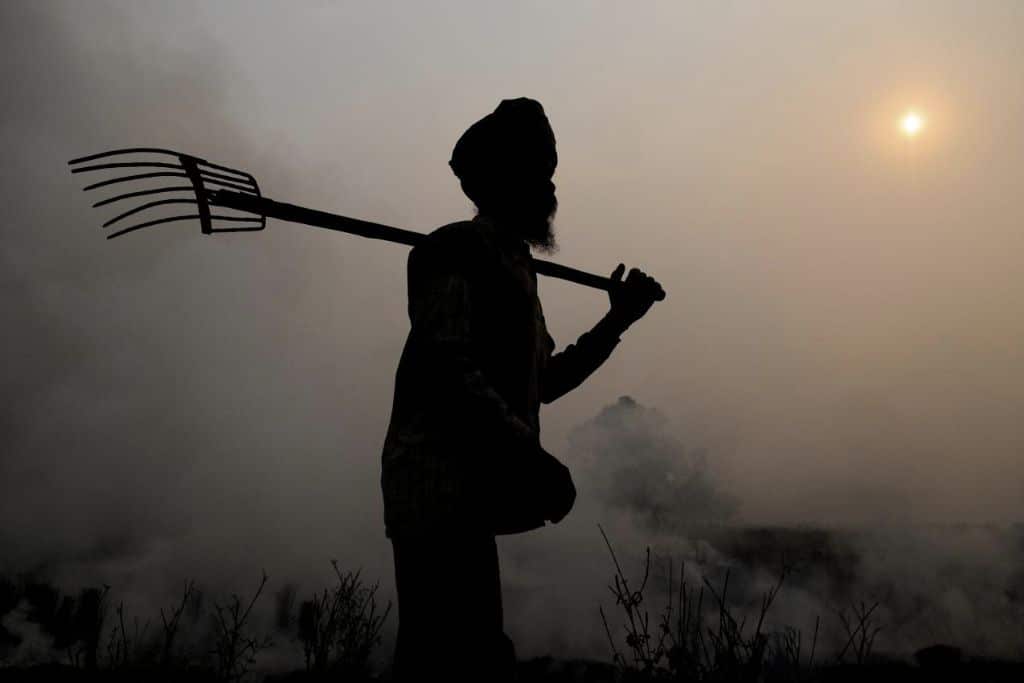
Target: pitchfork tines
{"type": "Point", "coordinates": [155, 166]}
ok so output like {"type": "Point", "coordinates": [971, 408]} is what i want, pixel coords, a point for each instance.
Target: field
{"type": "Point", "coordinates": [726, 604]}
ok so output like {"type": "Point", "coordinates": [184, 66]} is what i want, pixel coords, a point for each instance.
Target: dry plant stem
{"type": "Point", "coordinates": [638, 638]}
{"type": "Point", "coordinates": [686, 634]}
{"type": "Point", "coordinates": [120, 648]}
{"type": "Point", "coordinates": [860, 631]}
{"type": "Point", "coordinates": [814, 643]}
{"type": "Point", "coordinates": [171, 625]}
{"type": "Point", "coordinates": [339, 628]}
{"type": "Point", "coordinates": [789, 647]}
{"type": "Point", "coordinates": [235, 650]}
{"type": "Point", "coordinates": [688, 649]}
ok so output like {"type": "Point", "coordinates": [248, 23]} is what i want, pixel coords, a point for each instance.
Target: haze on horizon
{"type": "Point", "coordinates": [842, 332]}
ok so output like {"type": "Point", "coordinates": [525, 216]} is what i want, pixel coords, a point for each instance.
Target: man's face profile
{"type": "Point", "coordinates": [531, 212]}
{"type": "Point", "coordinates": [505, 162]}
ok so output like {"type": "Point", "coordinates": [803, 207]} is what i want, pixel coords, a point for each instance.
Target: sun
{"type": "Point", "coordinates": [911, 123]}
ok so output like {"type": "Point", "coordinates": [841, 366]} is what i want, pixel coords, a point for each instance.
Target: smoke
{"type": "Point", "coordinates": [639, 480]}
{"type": "Point", "coordinates": [637, 465]}
{"type": "Point", "coordinates": [124, 459]}
{"type": "Point", "coordinates": [837, 343]}
{"type": "Point", "coordinates": [648, 487]}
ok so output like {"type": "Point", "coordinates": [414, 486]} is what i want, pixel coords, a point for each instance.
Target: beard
{"type": "Point", "coordinates": [536, 224]}
{"type": "Point", "coordinates": [530, 216]}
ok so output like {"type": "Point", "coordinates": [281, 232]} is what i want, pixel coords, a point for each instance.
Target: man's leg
{"type": "Point", "coordinates": [449, 610]}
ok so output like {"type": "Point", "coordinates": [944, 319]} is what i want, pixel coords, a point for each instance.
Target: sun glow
{"type": "Point", "coordinates": [911, 123]}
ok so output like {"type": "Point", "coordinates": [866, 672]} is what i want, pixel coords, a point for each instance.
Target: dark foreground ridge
{"type": "Point", "coordinates": [937, 663]}
{"type": "Point", "coordinates": [708, 630]}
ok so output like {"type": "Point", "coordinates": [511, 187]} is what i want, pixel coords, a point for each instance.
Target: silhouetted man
{"type": "Point", "coordinates": [462, 459]}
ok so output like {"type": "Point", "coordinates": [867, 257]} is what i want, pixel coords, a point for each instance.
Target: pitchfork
{"type": "Point", "coordinates": [212, 186]}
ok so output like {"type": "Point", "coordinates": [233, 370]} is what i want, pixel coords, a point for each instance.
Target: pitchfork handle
{"type": "Point", "coordinates": [332, 221]}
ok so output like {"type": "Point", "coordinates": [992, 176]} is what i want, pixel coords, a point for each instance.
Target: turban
{"type": "Point", "coordinates": [514, 137]}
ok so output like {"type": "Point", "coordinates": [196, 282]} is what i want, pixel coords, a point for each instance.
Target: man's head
{"type": "Point", "coordinates": [505, 162]}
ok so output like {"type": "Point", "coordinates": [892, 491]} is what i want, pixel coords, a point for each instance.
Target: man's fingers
{"type": "Point", "coordinates": [654, 287]}
{"type": "Point", "coordinates": [639, 282]}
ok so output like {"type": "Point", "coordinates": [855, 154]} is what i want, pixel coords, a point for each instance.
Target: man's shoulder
{"type": "Point", "coordinates": [456, 241]}
{"type": "Point", "coordinates": [460, 233]}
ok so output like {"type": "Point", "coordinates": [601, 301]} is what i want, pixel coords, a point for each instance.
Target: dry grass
{"type": "Point", "coordinates": [339, 628]}
{"type": "Point", "coordinates": [698, 634]}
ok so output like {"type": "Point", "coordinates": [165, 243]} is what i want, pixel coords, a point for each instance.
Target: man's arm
{"type": "Point", "coordinates": [629, 301]}
{"type": "Point", "coordinates": [568, 369]}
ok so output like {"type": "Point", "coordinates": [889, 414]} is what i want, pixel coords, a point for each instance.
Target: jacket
{"type": "Point", "coordinates": [462, 444]}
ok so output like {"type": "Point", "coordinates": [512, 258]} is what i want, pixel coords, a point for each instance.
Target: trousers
{"type": "Point", "coordinates": [450, 619]}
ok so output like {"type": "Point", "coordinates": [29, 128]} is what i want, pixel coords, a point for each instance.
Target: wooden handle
{"type": "Point", "coordinates": [331, 221]}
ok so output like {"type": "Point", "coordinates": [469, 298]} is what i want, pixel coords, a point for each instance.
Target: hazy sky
{"type": "Point", "coordinates": [842, 332]}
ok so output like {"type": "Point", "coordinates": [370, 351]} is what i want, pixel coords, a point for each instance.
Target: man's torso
{"type": "Point", "coordinates": [435, 438]}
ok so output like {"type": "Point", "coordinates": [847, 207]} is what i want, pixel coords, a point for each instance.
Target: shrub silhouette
{"type": "Point", "coordinates": [74, 624]}
{"type": "Point", "coordinates": [682, 645]}
{"type": "Point", "coordinates": [340, 628]}
{"type": "Point", "coordinates": [235, 648]}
